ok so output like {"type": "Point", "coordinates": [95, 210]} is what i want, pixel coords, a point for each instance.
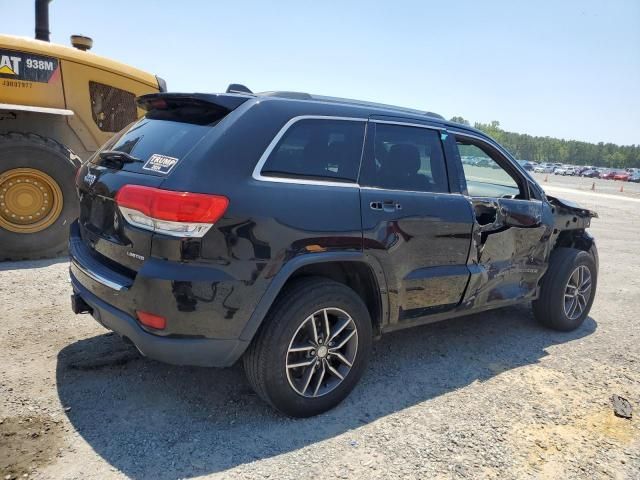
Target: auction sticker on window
{"type": "Point", "coordinates": [160, 163]}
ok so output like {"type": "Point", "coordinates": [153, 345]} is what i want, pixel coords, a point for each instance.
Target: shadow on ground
{"type": "Point", "coordinates": [157, 421]}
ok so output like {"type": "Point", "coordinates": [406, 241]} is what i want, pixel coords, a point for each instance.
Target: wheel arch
{"type": "Point", "coordinates": [580, 240]}
{"type": "Point", "coordinates": [349, 268]}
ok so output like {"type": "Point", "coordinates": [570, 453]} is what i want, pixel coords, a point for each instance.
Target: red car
{"type": "Point", "coordinates": [607, 175]}
{"type": "Point", "coordinates": [624, 176]}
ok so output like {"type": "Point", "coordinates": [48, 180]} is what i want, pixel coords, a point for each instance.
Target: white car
{"type": "Point", "coordinates": [542, 168]}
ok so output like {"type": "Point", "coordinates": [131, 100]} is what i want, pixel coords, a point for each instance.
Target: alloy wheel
{"type": "Point", "coordinates": [577, 292]}
{"type": "Point", "coordinates": [322, 352]}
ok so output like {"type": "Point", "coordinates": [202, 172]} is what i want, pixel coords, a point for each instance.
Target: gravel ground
{"type": "Point", "coordinates": [486, 396]}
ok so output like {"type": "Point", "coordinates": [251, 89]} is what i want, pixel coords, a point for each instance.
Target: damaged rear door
{"type": "Point", "coordinates": [511, 229]}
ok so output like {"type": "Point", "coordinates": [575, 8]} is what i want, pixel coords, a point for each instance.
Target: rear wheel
{"type": "Point", "coordinates": [37, 196]}
{"type": "Point", "coordinates": [568, 289]}
{"type": "Point", "coordinates": [312, 348]}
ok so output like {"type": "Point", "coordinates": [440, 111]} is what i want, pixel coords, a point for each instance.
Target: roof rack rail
{"type": "Point", "coordinates": [286, 94]}
{"type": "Point", "coordinates": [322, 98]}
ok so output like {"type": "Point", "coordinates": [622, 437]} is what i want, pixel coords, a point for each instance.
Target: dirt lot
{"type": "Point", "coordinates": [488, 396]}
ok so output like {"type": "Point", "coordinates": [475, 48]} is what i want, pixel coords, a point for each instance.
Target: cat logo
{"type": "Point", "coordinates": [10, 65]}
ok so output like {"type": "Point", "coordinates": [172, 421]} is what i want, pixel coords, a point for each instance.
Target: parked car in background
{"type": "Point", "coordinates": [607, 174]}
{"type": "Point", "coordinates": [565, 170]}
{"type": "Point", "coordinates": [591, 173]}
{"type": "Point", "coordinates": [528, 166]}
{"type": "Point", "coordinates": [635, 178]}
{"type": "Point", "coordinates": [543, 168]}
{"type": "Point", "coordinates": [621, 175]}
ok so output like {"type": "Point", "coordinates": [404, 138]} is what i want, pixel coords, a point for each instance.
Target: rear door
{"type": "Point", "coordinates": [417, 230]}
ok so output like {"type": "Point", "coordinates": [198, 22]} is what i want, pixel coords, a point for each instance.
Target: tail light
{"type": "Point", "coordinates": [180, 214]}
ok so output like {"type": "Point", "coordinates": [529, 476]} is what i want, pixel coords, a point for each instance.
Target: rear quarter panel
{"type": "Point", "coordinates": [266, 225]}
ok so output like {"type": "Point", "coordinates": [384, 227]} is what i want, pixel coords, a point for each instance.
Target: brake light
{"type": "Point", "coordinates": [150, 320]}
{"type": "Point", "coordinates": [180, 214]}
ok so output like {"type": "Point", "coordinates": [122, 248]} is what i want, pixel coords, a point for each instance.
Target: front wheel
{"type": "Point", "coordinates": [312, 348]}
{"type": "Point", "coordinates": [568, 289]}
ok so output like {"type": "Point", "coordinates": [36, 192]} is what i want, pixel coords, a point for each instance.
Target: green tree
{"type": "Point", "coordinates": [549, 149]}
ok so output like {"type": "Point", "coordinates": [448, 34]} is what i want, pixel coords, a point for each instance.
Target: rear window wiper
{"type": "Point", "coordinates": [116, 156]}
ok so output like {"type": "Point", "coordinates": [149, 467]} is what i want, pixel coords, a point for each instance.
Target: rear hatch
{"type": "Point", "coordinates": [145, 154]}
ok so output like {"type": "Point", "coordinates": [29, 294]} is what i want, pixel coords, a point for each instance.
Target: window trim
{"type": "Point", "coordinates": [408, 124]}
{"type": "Point", "coordinates": [257, 171]}
{"type": "Point", "coordinates": [511, 167]}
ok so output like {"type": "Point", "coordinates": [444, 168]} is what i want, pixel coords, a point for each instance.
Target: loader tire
{"type": "Point", "coordinates": [38, 200]}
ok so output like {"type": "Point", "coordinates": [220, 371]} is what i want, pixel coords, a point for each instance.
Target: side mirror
{"type": "Point", "coordinates": [518, 213]}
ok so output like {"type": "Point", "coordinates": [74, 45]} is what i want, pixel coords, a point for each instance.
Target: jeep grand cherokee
{"type": "Point", "coordinates": [290, 230]}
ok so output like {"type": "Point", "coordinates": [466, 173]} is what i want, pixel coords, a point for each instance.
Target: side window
{"type": "Point", "coordinates": [406, 158]}
{"type": "Point", "coordinates": [485, 177]}
{"type": "Point", "coordinates": [112, 108]}
{"type": "Point", "coordinates": [318, 149]}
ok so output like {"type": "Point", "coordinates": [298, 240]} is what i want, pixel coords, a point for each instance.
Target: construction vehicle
{"type": "Point", "coordinates": [58, 105]}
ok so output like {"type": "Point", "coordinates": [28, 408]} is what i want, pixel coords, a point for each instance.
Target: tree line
{"type": "Point", "coordinates": [548, 149]}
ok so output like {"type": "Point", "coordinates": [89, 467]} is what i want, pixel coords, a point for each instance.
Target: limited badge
{"type": "Point", "coordinates": [160, 163]}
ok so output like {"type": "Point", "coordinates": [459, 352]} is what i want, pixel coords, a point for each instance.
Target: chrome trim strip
{"type": "Point", "coordinates": [99, 278]}
{"type": "Point", "coordinates": [457, 194]}
{"type": "Point", "coordinates": [257, 175]}
{"type": "Point", "coordinates": [407, 124]}
{"type": "Point", "coordinates": [30, 108]}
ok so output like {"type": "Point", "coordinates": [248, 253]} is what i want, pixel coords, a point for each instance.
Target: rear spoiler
{"type": "Point", "coordinates": [168, 101]}
{"type": "Point", "coordinates": [197, 108]}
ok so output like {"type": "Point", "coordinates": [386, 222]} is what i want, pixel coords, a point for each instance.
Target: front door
{"type": "Point", "coordinates": [508, 253]}
{"type": "Point", "coordinates": [418, 231]}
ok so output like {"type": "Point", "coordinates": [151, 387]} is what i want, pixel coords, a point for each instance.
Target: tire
{"type": "Point", "coordinates": [265, 361]}
{"type": "Point", "coordinates": [549, 309]}
{"type": "Point", "coordinates": [47, 158]}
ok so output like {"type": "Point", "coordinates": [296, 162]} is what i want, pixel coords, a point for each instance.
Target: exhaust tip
{"type": "Point", "coordinates": [81, 42]}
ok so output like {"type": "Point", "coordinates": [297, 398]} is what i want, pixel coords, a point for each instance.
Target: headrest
{"type": "Point", "coordinates": [404, 158]}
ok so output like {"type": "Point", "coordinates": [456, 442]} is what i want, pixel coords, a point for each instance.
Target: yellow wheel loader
{"type": "Point", "coordinates": [58, 104]}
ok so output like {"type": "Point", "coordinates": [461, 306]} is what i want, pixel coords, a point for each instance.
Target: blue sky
{"type": "Point", "coordinates": [568, 69]}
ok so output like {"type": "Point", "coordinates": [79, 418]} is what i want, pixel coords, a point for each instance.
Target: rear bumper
{"type": "Point", "coordinates": [203, 324]}
{"type": "Point", "coordinates": [205, 352]}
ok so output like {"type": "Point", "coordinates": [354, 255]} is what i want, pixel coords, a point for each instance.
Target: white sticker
{"type": "Point", "coordinates": [160, 163]}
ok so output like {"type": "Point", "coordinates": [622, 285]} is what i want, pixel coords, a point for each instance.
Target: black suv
{"type": "Point", "coordinates": [291, 230]}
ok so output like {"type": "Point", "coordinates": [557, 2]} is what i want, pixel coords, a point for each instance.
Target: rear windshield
{"type": "Point", "coordinates": [147, 137]}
